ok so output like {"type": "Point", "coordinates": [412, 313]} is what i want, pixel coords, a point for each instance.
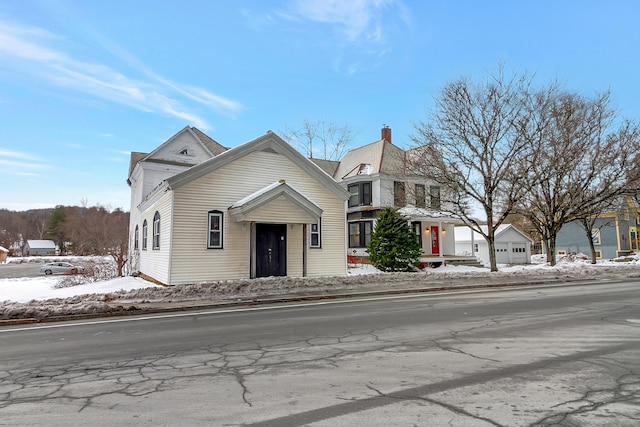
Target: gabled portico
{"type": "Point", "coordinates": [270, 213]}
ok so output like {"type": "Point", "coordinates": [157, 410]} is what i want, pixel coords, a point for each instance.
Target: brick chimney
{"type": "Point", "coordinates": [386, 133]}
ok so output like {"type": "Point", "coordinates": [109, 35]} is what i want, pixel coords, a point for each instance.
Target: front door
{"type": "Point", "coordinates": [271, 250]}
{"type": "Point", "coordinates": [435, 245]}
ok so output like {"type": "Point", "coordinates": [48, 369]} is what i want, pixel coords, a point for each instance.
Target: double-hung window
{"type": "Point", "coordinates": [314, 235]}
{"type": "Point", "coordinates": [144, 235]}
{"type": "Point", "coordinates": [156, 230]}
{"type": "Point", "coordinates": [399, 196]}
{"type": "Point", "coordinates": [435, 197]}
{"type": "Point", "coordinates": [421, 199]}
{"type": "Point", "coordinates": [359, 194]}
{"type": "Point", "coordinates": [136, 236]}
{"type": "Point", "coordinates": [214, 227]}
{"type": "Point", "coordinates": [360, 234]}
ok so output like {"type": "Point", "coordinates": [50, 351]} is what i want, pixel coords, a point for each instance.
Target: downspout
{"type": "Point", "coordinates": [304, 250]}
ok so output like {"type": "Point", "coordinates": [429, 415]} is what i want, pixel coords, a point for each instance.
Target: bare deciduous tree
{"type": "Point", "coordinates": [617, 181]}
{"type": "Point", "coordinates": [99, 231]}
{"type": "Point", "coordinates": [576, 166]}
{"type": "Point", "coordinates": [320, 139]}
{"type": "Point", "coordinates": [471, 145]}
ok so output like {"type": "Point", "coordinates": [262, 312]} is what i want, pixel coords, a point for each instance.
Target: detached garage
{"type": "Point", "coordinates": [512, 245]}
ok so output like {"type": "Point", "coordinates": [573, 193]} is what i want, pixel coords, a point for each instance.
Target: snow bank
{"type": "Point", "coordinates": [40, 298]}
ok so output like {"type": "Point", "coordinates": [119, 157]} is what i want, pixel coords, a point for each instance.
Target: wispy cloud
{"type": "Point", "coordinates": [358, 20]}
{"type": "Point", "coordinates": [36, 52]}
{"type": "Point", "coordinates": [20, 163]}
{"type": "Point", "coordinates": [16, 154]}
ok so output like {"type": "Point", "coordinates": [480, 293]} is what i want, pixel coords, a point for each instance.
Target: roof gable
{"type": "Point", "coordinates": [271, 192]}
{"type": "Point", "coordinates": [376, 157]}
{"type": "Point", "coordinates": [269, 142]}
{"type": "Point", "coordinates": [189, 146]}
{"type": "Point", "coordinates": [503, 232]}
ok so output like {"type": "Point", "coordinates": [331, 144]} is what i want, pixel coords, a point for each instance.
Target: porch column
{"type": "Point", "coordinates": [252, 249]}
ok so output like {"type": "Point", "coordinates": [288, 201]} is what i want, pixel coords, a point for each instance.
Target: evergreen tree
{"type": "Point", "coordinates": [394, 246]}
{"type": "Point", "coordinates": [56, 227]}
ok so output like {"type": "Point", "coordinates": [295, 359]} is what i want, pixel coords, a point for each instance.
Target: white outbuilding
{"type": "Point", "coordinates": [512, 245]}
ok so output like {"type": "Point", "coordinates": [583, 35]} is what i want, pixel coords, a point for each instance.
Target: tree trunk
{"type": "Point", "coordinates": [587, 226]}
{"type": "Point", "coordinates": [492, 251]}
{"type": "Point", "coordinates": [552, 250]}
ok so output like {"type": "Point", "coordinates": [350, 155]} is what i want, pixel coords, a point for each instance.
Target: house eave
{"type": "Point", "coordinates": [266, 142]}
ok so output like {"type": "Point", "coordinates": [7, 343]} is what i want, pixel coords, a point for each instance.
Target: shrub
{"type": "Point", "coordinates": [393, 246]}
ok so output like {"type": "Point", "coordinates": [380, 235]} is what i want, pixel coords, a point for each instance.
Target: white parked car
{"type": "Point", "coordinates": [60, 268]}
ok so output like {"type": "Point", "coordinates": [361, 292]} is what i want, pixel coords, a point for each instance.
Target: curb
{"type": "Point", "coordinates": [132, 309]}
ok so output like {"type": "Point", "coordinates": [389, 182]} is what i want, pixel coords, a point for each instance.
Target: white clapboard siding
{"type": "Point", "coordinates": [218, 190]}
{"type": "Point", "coordinates": [155, 262]}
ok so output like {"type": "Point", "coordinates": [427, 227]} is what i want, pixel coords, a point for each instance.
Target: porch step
{"type": "Point", "coordinates": [469, 262]}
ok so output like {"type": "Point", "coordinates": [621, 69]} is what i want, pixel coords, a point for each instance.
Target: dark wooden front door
{"type": "Point", "coordinates": [271, 250]}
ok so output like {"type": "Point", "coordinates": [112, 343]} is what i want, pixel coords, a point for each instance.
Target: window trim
{"type": "Point", "coordinates": [360, 193]}
{"type": "Point", "coordinates": [318, 232]}
{"type": "Point", "coordinates": [156, 231]}
{"type": "Point", "coordinates": [136, 238]}
{"type": "Point", "coordinates": [145, 234]}
{"type": "Point", "coordinates": [219, 214]}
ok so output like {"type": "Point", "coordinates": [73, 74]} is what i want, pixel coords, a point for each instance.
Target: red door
{"type": "Point", "coordinates": [435, 246]}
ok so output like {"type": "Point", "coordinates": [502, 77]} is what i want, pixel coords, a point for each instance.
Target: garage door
{"type": "Point", "coordinates": [519, 253]}
{"type": "Point", "coordinates": [502, 253]}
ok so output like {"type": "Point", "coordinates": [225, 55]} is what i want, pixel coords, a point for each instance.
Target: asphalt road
{"type": "Point", "coordinates": [542, 356]}
{"type": "Point", "coordinates": [14, 270]}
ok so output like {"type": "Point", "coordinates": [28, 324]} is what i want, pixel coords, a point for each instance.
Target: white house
{"type": "Point", "coordinates": [200, 212]}
{"type": "Point", "coordinates": [376, 177]}
{"type": "Point", "coordinates": [512, 245]}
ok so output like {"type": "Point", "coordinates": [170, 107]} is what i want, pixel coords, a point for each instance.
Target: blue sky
{"type": "Point", "coordinates": [83, 83]}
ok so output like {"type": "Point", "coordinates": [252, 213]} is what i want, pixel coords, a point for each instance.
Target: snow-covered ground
{"type": "Point", "coordinates": [40, 297]}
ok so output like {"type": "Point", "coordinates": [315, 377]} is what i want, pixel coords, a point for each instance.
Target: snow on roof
{"type": "Point", "coordinates": [413, 212]}
{"type": "Point", "coordinates": [463, 233]}
{"type": "Point", "coordinates": [3, 249]}
{"type": "Point", "coordinates": [44, 244]}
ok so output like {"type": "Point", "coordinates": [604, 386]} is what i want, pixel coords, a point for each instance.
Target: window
{"type": "Point", "coordinates": [314, 235]}
{"type": "Point", "coordinates": [399, 198]}
{"type": "Point", "coordinates": [360, 194]}
{"type": "Point", "coordinates": [476, 248]}
{"type": "Point", "coordinates": [144, 235]}
{"type": "Point", "coordinates": [156, 230]}
{"type": "Point", "coordinates": [421, 200]}
{"type": "Point", "coordinates": [417, 230]}
{"type": "Point", "coordinates": [135, 238]}
{"type": "Point", "coordinates": [435, 197]}
{"type": "Point", "coordinates": [561, 252]}
{"type": "Point", "coordinates": [595, 236]}
{"type": "Point", "coordinates": [360, 234]}
{"type": "Point", "coordinates": [214, 227]}
{"type": "Point", "coordinates": [598, 254]}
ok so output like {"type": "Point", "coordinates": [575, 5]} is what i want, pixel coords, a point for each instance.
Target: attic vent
{"type": "Point", "coordinates": [184, 152]}
{"type": "Point", "coordinates": [365, 169]}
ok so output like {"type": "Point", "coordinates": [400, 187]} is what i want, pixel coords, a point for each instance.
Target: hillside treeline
{"type": "Point", "coordinates": [78, 230]}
